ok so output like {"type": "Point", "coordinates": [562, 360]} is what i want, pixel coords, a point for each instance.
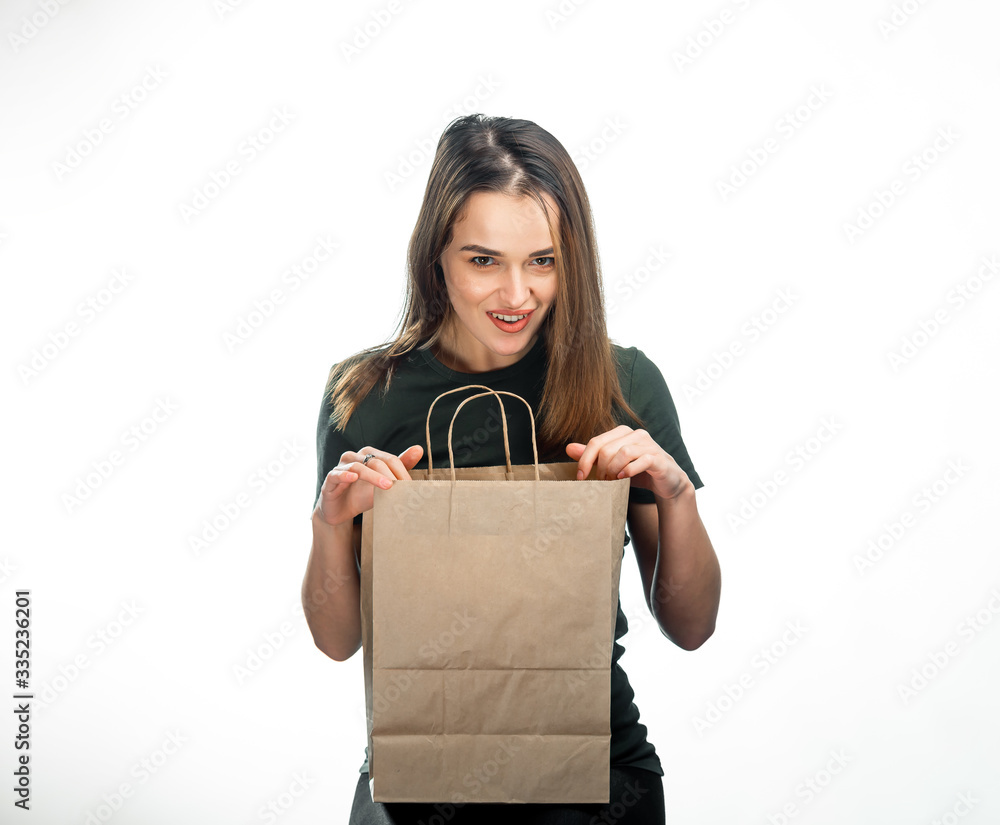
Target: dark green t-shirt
{"type": "Point", "coordinates": [398, 421]}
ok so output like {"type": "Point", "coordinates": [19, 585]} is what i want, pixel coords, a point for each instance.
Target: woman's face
{"type": "Point", "coordinates": [500, 260]}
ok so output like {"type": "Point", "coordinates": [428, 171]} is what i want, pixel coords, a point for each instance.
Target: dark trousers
{"type": "Point", "coordinates": [636, 799]}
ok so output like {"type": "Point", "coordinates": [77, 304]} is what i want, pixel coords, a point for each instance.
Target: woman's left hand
{"type": "Point", "coordinates": [627, 453]}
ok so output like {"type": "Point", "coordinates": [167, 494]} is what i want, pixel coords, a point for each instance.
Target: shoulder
{"type": "Point", "coordinates": [353, 361]}
{"type": "Point", "coordinates": [394, 380]}
{"type": "Point", "coordinates": [625, 361]}
{"type": "Point", "coordinates": [357, 358]}
{"type": "Point", "coordinates": [637, 373]}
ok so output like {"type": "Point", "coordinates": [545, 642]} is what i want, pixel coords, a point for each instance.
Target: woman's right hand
{"type": "Point", "coordinates": [348, 488]}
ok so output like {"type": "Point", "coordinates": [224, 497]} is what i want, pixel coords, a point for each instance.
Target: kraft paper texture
{"type": "Point", "coordinates": [488, 613]}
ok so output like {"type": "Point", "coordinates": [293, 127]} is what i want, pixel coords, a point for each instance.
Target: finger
{"type": "Point", "coordinates": [631, 467]}
{"type": "Point", "coordinates": [336, 484]}
{"type": "Point", "coordinates": [396, 468]}
{"type": "Point", "coordinates": [592, 452]}
{"type": "Point", "coordinates": [338, 477]}
{"type": "Point", "coordinates": [397, 464]}
{"type": "Point", "coordinates": [611, 454]}
{"type": "Point", "coordinates": [411, 456]}
{"type": "Point", "coordinates": [626, 454]}
{"type": "Point", "coordinates": [373, 474]}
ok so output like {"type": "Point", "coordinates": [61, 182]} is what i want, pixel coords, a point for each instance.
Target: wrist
{"type": "Point", "coordinates": [321, 524]}
{"type": "Point", "coordinates": [683, 495]}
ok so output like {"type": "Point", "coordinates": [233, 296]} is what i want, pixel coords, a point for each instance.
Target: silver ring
{"type": "Point", "coordinates": [368, 457]}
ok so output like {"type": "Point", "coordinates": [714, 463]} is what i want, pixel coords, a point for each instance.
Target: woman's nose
{"type": "Point", "coordinates": [514, 287]}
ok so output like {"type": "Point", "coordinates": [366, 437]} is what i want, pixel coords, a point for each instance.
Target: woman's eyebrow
{"type": "Point", "coordinates": [482, 250]}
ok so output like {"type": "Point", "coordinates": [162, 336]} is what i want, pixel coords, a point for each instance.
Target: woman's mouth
{"type": "Point", "coordinates": [513, 322]}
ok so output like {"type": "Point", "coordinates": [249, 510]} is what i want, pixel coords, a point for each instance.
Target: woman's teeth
{"type": "Point", "coordinates": [510, 319]}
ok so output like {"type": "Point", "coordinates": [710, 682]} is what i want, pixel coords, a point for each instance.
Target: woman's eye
{"type": "Point", "coordinates": [486, 261]}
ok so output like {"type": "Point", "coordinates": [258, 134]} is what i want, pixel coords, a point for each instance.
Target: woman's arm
{"type": "Point", "coordinates": [331, 589]}
{"type": "Point", "coordinates": [678, 565]}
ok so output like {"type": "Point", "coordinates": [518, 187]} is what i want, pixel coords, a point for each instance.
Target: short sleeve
{"type": "Point", "coordinates": [331, 443]}
{"type": "Point", "coordinates": [649, 396]}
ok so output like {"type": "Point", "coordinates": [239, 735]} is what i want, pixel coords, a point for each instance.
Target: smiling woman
{"type": "Point", "coordinates": [504, 290]}
{"type": "Point", "coordinates": [499, 273]}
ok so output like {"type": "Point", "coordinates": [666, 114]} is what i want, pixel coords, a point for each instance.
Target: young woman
{"type": "Point", "coordinates": [505, 290]}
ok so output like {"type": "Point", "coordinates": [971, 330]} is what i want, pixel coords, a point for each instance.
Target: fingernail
{"type": "Point", "coordinates": [385, 483]}
{"type": "Point", "coordinates": [579, 474]}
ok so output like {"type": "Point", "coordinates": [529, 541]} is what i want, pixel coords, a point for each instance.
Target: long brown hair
{"type": "Point", "coordinates": [478, 153]}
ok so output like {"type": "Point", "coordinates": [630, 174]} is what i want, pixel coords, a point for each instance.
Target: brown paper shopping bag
{"type": "Point", "coordinates": [488, 598]}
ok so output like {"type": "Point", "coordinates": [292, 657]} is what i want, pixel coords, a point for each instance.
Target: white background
{"type": "Point", "coordinates": [214, 75]}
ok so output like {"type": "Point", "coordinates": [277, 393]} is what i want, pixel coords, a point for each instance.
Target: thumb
{"type": "Point", "coordinates": [411, 455]}
{"type": "Point", "coordinates": [575, 449]}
